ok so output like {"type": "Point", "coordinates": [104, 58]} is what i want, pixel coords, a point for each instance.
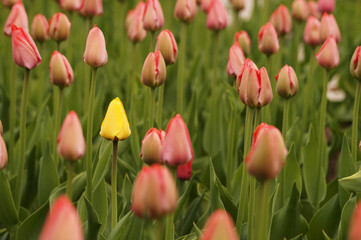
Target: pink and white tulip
{"type": "Point", "coordinates": [95, 53]}
{"type": "Point", "coordinates": [326, 5]}
{"type": "Point", "coordinates": [91, 8]}
{"type": "Point", "coordinates": [268, 40]}
{"type": "Point", "coordinates": [312, 34]}
{"type": "Point", "coordinates": [328, 56]}
{"type": "Point", "coordinates": [153, 18]}
{"type": "Point", "coordinates": [60, 70]}
{"type": "Point", "coordinates": [152, 146]}
{"type": "Point", "coordinates": [40, 28]}
{"type": "Point", "coordinates": [167, 45]}
{"type": "Point", "coordinates": [217, 18]}
{"type": "Point", "coordinates": [235, 60]}
{"type": "Point", "coordinates": [3, 151]}
{"type": "Point", "coordinates": [287, 82]}
{"type": "Point", "coordinates": [219, 226]}
{"type": "Point", "coordinates": [281, 20]}
{"type": "Point", "coordinates": [329, 27]}
{"type": "Point", "coordinates": [59, 27]}
{"type": "Point", "coordinates": [244, 41]}
{"type": "Point", "coordinates": [17, 17]}
{"type": "Point", "coordinates": [185, 10]}
{"type": "Point", "coordinates": [134, 24]}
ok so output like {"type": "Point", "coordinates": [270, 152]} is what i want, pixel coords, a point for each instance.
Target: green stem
{"type": "Point", "coordinates": [286, 105]}
{"type": "Point", "coordinates": [230, 147]}
{"type": "Point", "coordinates": [169, 228]}
{"type": "Point", "coordinates": [308, 96]}
{"type": "Point", "coordinates": [181, 61]}
{"type": "Point", "coordinates": [58, 46]}
{"type": "Point", "coordinates": [70, 168]}
{"type": "Point", "coordinates": [267, 113]}
{"type": "Point", "coordinates": [152, 41]}
{"type": "Point", "coordinates": [131, 78]}
{"type": "Point", "coordinates": [24, 100]}
{"type": "Point", "coordinates": [151, 108]}
{"type": "Point", "coordinates": [356, 108]}
{"type": "Point", "coordinates": [114, 184]}
{"type": "Point", "coordinates": [298, 29]}
{"type": "Point", "coordinates": [160, 105]}
{"type": "Point", "coordinates": [58, 94]}
{"type": "Point", "coordinates": [261, 230]}
{"type": "Point", "coordinates": [12, 119]}
{"type": "Point", "coordinates": [215, 58]}
{"type": "Point", "coordinates": [257, 114]}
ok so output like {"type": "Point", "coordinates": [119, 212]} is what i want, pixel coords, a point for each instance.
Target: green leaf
{"type": "Point", "coordinates": [345, 218]}
{"type": "Point", "coordinates": [182, 200]}
{"type": "Point", "coordinates": [227, 200]}
{"type": "Point", "coordinates": [100, 204]}
{"type": "Point", "coordinates": [31, 227]}
{"type": "Point", "coordinates": [216, 202]}
{"type": "Point", "coordinates": [8, 213]}
{"type": "Point", "coordinates": [134, 141]}
{"type": "Point", "coordinates": [325, 236]}
{"type": "Point", "coordinates": [351, 183]}
{"type": "Point", "coordinates": [118, 230]}
{"type": "Point", "coordinates": [103, 164]}
{"type": "Point", "coordinates": [93, 221]}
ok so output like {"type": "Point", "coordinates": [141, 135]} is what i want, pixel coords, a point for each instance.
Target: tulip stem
{"type": "Point", "coordinates": [70, 168]}
{"type": "Point", "coordinates": [257, 114]}
{"type": "Point", "coordinates": [261, 231]}
{"type": "Point", "coordinates": [58, 95]}
{"type": "Point", "coordinates": [160, 105]}
{"type": "Point", "coordinates": [230, 149]}
{"type": "Point", "coordinates": [114, 184]}
{"type": "Point", "coordinates": [356, 108]}
{"type": "Point", "coordinates": [169, 226]}
{"type": "Point", "coordinates": [151, 108]}
{"type": "Point", "coordinates": [24, 100]}
{"type": "Point", "coordinates": [181, 61]}
{"type": "Point", "coordinates": [12, 119]}
{"type": "Point", "coordinates": [152, 40]}
{"type": "Point", "coordinates": [286, 107]}
{"type": "Point", "coordinates": [268, 110]}
{"type": "Point", "coordinates": [308, 90]}
{"type": "Point", "coordinates": [215, 57]}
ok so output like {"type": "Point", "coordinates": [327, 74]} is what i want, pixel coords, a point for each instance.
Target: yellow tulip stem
{"type": "Point", "coordinates": [114, 184]}
{"type": "Point", "coordinates": [355, 122]}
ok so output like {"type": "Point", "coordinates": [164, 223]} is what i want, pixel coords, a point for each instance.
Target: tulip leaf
{"type": "Point", "coordinates": [345, 218]}
{"type": "Point", "coordinates": [103, 164]}
{"type": "Point", "coordinates": [191, 215]}
{"type": "Point", "coordinates": [236, 183]}
{"type": "Point", "coordinates": [325, 236]}
{"type": "Point", "coordinates": [8, 213]}
{"type": "Point", "coordinates": [182, 200]}
{"type": "Point", "coordinates": [31, 227]}
{"type": "Point", "coordinates": [127, 191]}
{"type": "Point", "coordinates": [134, 141]}
{"type": "Point", "coordinates": [352, 183]}
{"type": "Point", "coordinates": [93, 221]}
{"type": "Point", "coordinates": [227, 200]}
{"type": "Point", "coordinates": [118, 230]}
{"type": "Point", "coordinates": [216, 202]}
{"type": "Point", "coordinates": [100, 204]}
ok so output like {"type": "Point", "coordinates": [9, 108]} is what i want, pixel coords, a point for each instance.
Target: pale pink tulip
{"type": "Point", "coordinates": [312, 34]}
{"type": "Point", "coordinates": [95, 53]}
{"type": "Point", "coordinates": [60, 71]}
{"type": "Point", "coordinates": [235, 60]}
{"type": "Point", "coordinates": [17, 17]}
{"type": "Point", "coordinates": [40, 28]}
{"type": "Point", "coordinates": [217, 18]}
{"type": "Point", "coordinates": [328, 56]}
{"type": "Point", "coordinates": [153, 18]}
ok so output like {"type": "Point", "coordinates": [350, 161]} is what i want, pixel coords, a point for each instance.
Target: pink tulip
{"type": "Point", "coordinates": [281, 20]}
{"type": "Point", "coordinates": [60, 71]}
{"type": "Point", "coordinates": [91, 8]}
{"type": "Point", "coordinates": [329, 27]}
{"type": "Point", "coordinates": [268, 40]}
{"type": "Point", "coordinates": [312, 35]}
{"type": "Point", "coordinates": [17, 17]}
{"type": "Point", "coordinates": [219, 226]}
{"type": "Point", "coordinates": [95, 53]}
{"type": "Point", "coordinates": [217, 18]}
{"type": "Point", "coordinates": [154, 70]}
{"type": "Point", "coordinates": [314, 9]}
{"type": "Point", "coordinates": [326, 5]}
{"type": "Point", "coordinates": [184, 171]}
{"type": "Point", "coordinates": [134, 23]}
{"type": "Point", "coordinates": [355, 64]}
{"type": "Point", "coordinates": [242, 38]}
{"type": "Point", "coordinates": [3, 152]}
{"type": "Point", "coordinates": [167, 45]}
{"type": "Point", "coordinates": [59, 27]}
{"type": "Point", "coordinates": [328, 56]}
{"type": "Point", "coordinates": [205, 5]}
{"type": "Point", "coordinates": [185, 10]}
{"type": "Point", "coordinates": [70, 5]}
{"type": "Point", "coordinates": [235, 60]}
{"type": "Point", "coordinates": [9, 3]}
{"type": "Point", "coordinates": [153, 18]}
{"type": "Point", "coordinates": [287, 82]}
{"type": "Point", "coordinates": [152, 145]}
{"type": "Point", "coordinates": [40, 28]}
{"type": "Point", "coordinates": [300, 10]}
{"type": "Point", "coordinates": [354, 232]}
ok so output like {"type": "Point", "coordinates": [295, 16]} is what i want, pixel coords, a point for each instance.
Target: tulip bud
{"type": "Point", "coordinates": [217, 18]}
{"type": "Point", "coordinates": [134, 23]}
{"type": "Point", "coordinates": [219, 226]}
{"type": "Point", "coordinates": [177, 146]}
{"type": "Point", "coordinates": [91, 8]}
{"type": "Point", "coordinates": [300, 10]}
{"type": "Point", "coordinates": [59, 27]}
{"type": "Point", "coordinates": [167, 46]}
{"type": "Point", "coordinates": [237, 5]}
{"type": "Point", "coordinates": [312, 35]}
{"type": "Point", "coordinates": [17, 17]}
{"type": "Point", "coordinates": [235, 60]}
{"type": "Point", "coordinates": [40, 28]}
{"type": "Point", "coordinates": [152, 146]}
{"type": "Point", "coordinates": [71, 143]}
{"type": "Point", "coordinates": [355, 65]}
{"type": "Point", "coordinates": [268, 40]}
{"type": "Point", "coordinates": [153, 18]}
{"type": "Point", "coordinates": [25, 52]}
{"type": "Point", "coordinates": [62, 222]}
{"type": "Point", "coordinates": [115, 125]}
{"type": "Point", "coordinates": [268, 153]}
{"type": "Point", "coordinates": [244, 42]}
{"type": "Point", "coordinates": [287, 82]}
{"type": "Point", "coordinates": [9, 3]}
{"type": "Point", "coordinates": [354, 232]}
{"type": "Point", "coordinates": [328, 56]}
{"type": "Point", "coordinates": [184, 171]}
{"type": "Point", "coordinates": [154, 71]}
{"type": "Point", "coordinates": [205, 5]}
{"type": "Point", "coordinates": [1, 128]}
{"type": "Point", "coordinates": [281, 20]}
{"type": "Point", "coordinates": [60, 71]}
{"type": "Point", "coordinates": [326, 5]}
{"type": "Point", "coordinates": [314, 9]}
{"type": "Point", "coordinates": [185, 10]}
{"type": "Point", "coordinates": [70, 5]}
{"type": "Point", "coordinates": [3, 152]}
{"type": "Point", "coordinates": [95, 53]}
{"type": "Point", "coordinates": [154, 192]}
{"type": "Point", "coordinates": [359, 146]}
{"type": "Point", "coordinates": [329, 28]}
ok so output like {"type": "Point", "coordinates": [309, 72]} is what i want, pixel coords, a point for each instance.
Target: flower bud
{"type": "Point", "coordinates": [184, 171]}
{"type": "Point", "coordinates": [167, 46]}
{"type": "Point", "coordinates": [237, 5]}
{"type": "Point", "coordinates": [219, 226]}
{"type": "Point", "coordinates": [62, 222]}
{"type": "Point", "coordinates": [268, 40]}
{"type": "Point", "coordinates": [217, 18]}
{"type": "Point", "coordinates": [3, 152]}
{"type": "Point", "coordinates": [281, 20]}
{"type": "Point", "coordinates": [59, 27]}
{"type": "Point", "coordinates": [40, 28]}
{"type": "Point", "coordinates": [152, 146]}
{"type": "Point", "coordinates": [328, 56]}
{"type": "Point", "coordinates": [71, 143]}
{"type": "Point", "coordinates": [153, 18]}
{"type": "Point", "coordinates": [300, 10]}
{"type": "Point", "coordinates": [134, 23]}
{"type": "Point", "coordinates": [268, 153]}
{"type": "Point", "coordinates": [185, 10]}
{"type": "Point", "coordinates": [25, 52]}
{"type": "Point", "coordinates": [326, 5]}
{"type": "Point", "coordinates": [95, 53]}
{"type": "Point", "coordinates": [329, 28]}
{"type": "Point", "coordinates": [354, 232]}
{"type": "Point", "coordinates": [1, 128]}
{"type": "Point", "coordinates": [60, 71]}
{"type": "Point", "coordinates": [154, 192]}
{"type": "Point", "coordinates": [17, 17]}
{"type": "Point", "coordinates": [154, 71]}
{"type": "Point", "coordinates": [70, 5]}
{"type": "Point", "coordinates": [235, 60]}
{"type": "Point", "coordinates": [287, 82]}
{"type": "Point", "coordinates": [115, 125]}
{"type": "Point", "coordinates": [314, 9]}
{"type": "Point", "coordinates": [91, 8]}
{"type": "Point", "coordinates": [177, 146]}
{"type": "Point", "coordinates": [355, 64]}
{"type": "Point", "coordinates": [311, 35]}
{"type": "Point", "coordinates": [9, 3]}
{"type": "Point", "coordinates": [205, 5]}
{"type": "Point", "coordinates": [244, 42]}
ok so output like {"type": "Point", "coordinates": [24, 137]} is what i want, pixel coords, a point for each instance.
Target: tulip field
{"type": "Point", "coordinates": [184, 119]}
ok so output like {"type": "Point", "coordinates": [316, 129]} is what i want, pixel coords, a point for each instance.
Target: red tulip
{"type": "Point", "coordinates": [17, 17]}
{"type": "Point", "coordinates": [3, 151]}
{"type": "Point", "coordinates": [329, 28]}
{"type": "Point", "coordinates": [154, 71]}
{"type": "Point", "coordinates": [235, 60]}
{"type": "Point", "coordinates": [328, 56]}
{"type": "Point", "coordinates": [205, 5]}
{"type": "Point", "coordinates": [219, 226]}
{"type": "Point", "coordinates": [326, 5]}
{"type": "Point", "coordinates": [184, 171]}
{"type": "Point", "coordinates": [91, 8]}
{"type": "Point", "coordinates": [268, 40]}
{"type": "Point", "coordinates": [355, 65]}
{"type": "Point", "coordinates": [281, 20]}
{"type": "Point", "coordinates": [59, 27]}
{"type": "Point", "coordinates": [287, 82]}
{"type": "Point", "coordinates": [95, 53]}
{"type": "Point", "coordinates": [134, 23]}
{"type": "Point", "coordinates": [312, 35]}
{"type": "Point", "coordinates": [60, 71]}
{"type": "Point", "coordinates": [152, 145]}
{"type": "Point", "coordinates": [217, 16]}
{"type": "Point", "coordinates": [153, 18]}
{"type": "Point", "coordinates": [167, 45]}
{"type": "Point", "coordinates": [40, 28]}
{"type": "Point", "coordinates": [185, 10]}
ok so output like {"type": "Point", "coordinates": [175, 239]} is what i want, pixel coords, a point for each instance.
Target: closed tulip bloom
{"type": "Point", "coordinates": [184, 171]}
{"type": "Point", "coordinates": [25, 52]}
{"type": "Point", "coordinates": [154, 192]}
{"type": "Point", "coordinates": [17, 17]}
{"type": "Point", "coordinates": [9, 3]}
{"type": "Point", "coordinates": [329, 27]}
{"type": "Point", "coordinates": [328, 56]}
{"type": "Point", "coordinates": [217, 18]}
{"type": "Point", "coordinates": [91, 8]}
{"type": "Point", "coordinates": [268, 153]}
{"type": "Point", "coordinates": [152, 145]}
{"type": "Point", "coordinates": [59, 27]}
{"type": "Point", "coordinates": [153, 18]}
{"type": "Point", "coordinates": [154, 71]}
{"type": "Point", "coordinates": [3, 152]}
{"type": "Point", "coordinates": [326, 5]}
{"type": "Point", "coordinates": [185, 10]}
{"type": "Point", "coordinates": [281, 20]}
{"type": "Point", "coordinates": [300, 10]}
{"type": "Point", "coordinates": [167, 46]}
{"type": "Point", "coordinates": [314, 9]}
{"type": "Point", "coordinates": [62, 222]}
{"type": "Point", "coordinates": [287, 82]}
{"type": "Point", "coordinates": [268, 40]}
{"type": "Point", "coordinates": [242, 38]}
{"type": "Point", "coordinates": [134, 23]}
{"type": "Point", "coordinates": [40, 28]}
{"type": "Point", "coordinates": [354, 232]}
{"type": "Point", "coordinates": [312, 35]}
{"type": "Point", "coordinates": [60, 71]}
{"type": "Point", "coordinates": [355, 64]}
{"type": "Point", "coordinates": [115, 125]}
{"type": "Point", "coordinates": [219, 226]}
{"type": "Point", "coordinates": [95, 53]}
{"type": "Point", "coordinates": [70, 5]}
{"type": "Point", "coordinates": [235, 60]}
{"type": "Point", "coordinates": [237, 4]}
{"type": "Point", "coordinates": [205, 5]}
{"type": "Point", "coordinates": [177, 146]}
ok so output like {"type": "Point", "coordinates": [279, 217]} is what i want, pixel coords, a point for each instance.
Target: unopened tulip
{"type": "Point", "coordinates": [9, 3]}
{"type": "Point", "coordinates": [71, 143]}
{"type": "Point", "coordinates": [17, 17]}
{"type": "Point", "coordinates": [355, 64]}
{"type": "Point", "coordinates": [354, 232]}
{"type": "Point", "coordinates": [25, 52]}
{"type": "Point", "coordinates": [184, 171]}
{"type": "Point", "coordinates": [312, 35]}
{"type": "Point", "coordinates": [314, 9]}
{"type": "Point", "coordinates": [268, 40]}
{"type": "Point", "coordinates": [281, 20]}
{"type": "Point", "coordinates": [153, 18]}
{"type": "Point", "coordinates": [268, 153]}
{"type": "Point", "coordinates": [326, 5]}
{"type": "Point", "coordinates": [237, 5]}
{"type": "Point", "coordinates": [70, 5]}
{"type": "Point", "coordinates": [40, 28]}
{"type": "Point", "coordinates": [217, 18]}
{"type": "Point", "coordinates": [91, 8]}
{"type": "Point", "coordinates": [328, 56]}
{"type": "Point", "coordinates": [300, 10]}
{"type": "Point", "coordinates": [219, 226]}
{"type": "Point", "coordinates": [59, 27]}
{"type": "Point", "coordinates": [235, 60]}
{"type": "Point", "coordinates": [152, 145]}
{"type": "Point", "coordinates": [3, 153]}
{"type": "Point", "coordinates": [115, 125]}
{"type": "Point", "coordinates": [1, 128]}
{"type": "Point", "coordinates": [205, 5]}
{"type": "Point", "coordinates": [134, 23]}
{"type": "Point", "coordinates": [60, 71]}
{"type": "Point", "coordinates": [242, 38]}
{"type": "Point", "coordinates": [167, 46]}
{"type": "Point", "coordinates": [177, 146]}
{"type": "Point", "coordinates": [62, 222]}
{"type": "Point", "coordinates": [287, 82]}
{"type": "Point", "coordinates": [95, 53]}
{"type": "Point", "coordinates": [185, 10]}
{"type": "Point", "coordinates": [329, 27]}
{"type": "Point", "coordinates": [154, 71]}
{"type": "Point", "coordinates": [154, 192]}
